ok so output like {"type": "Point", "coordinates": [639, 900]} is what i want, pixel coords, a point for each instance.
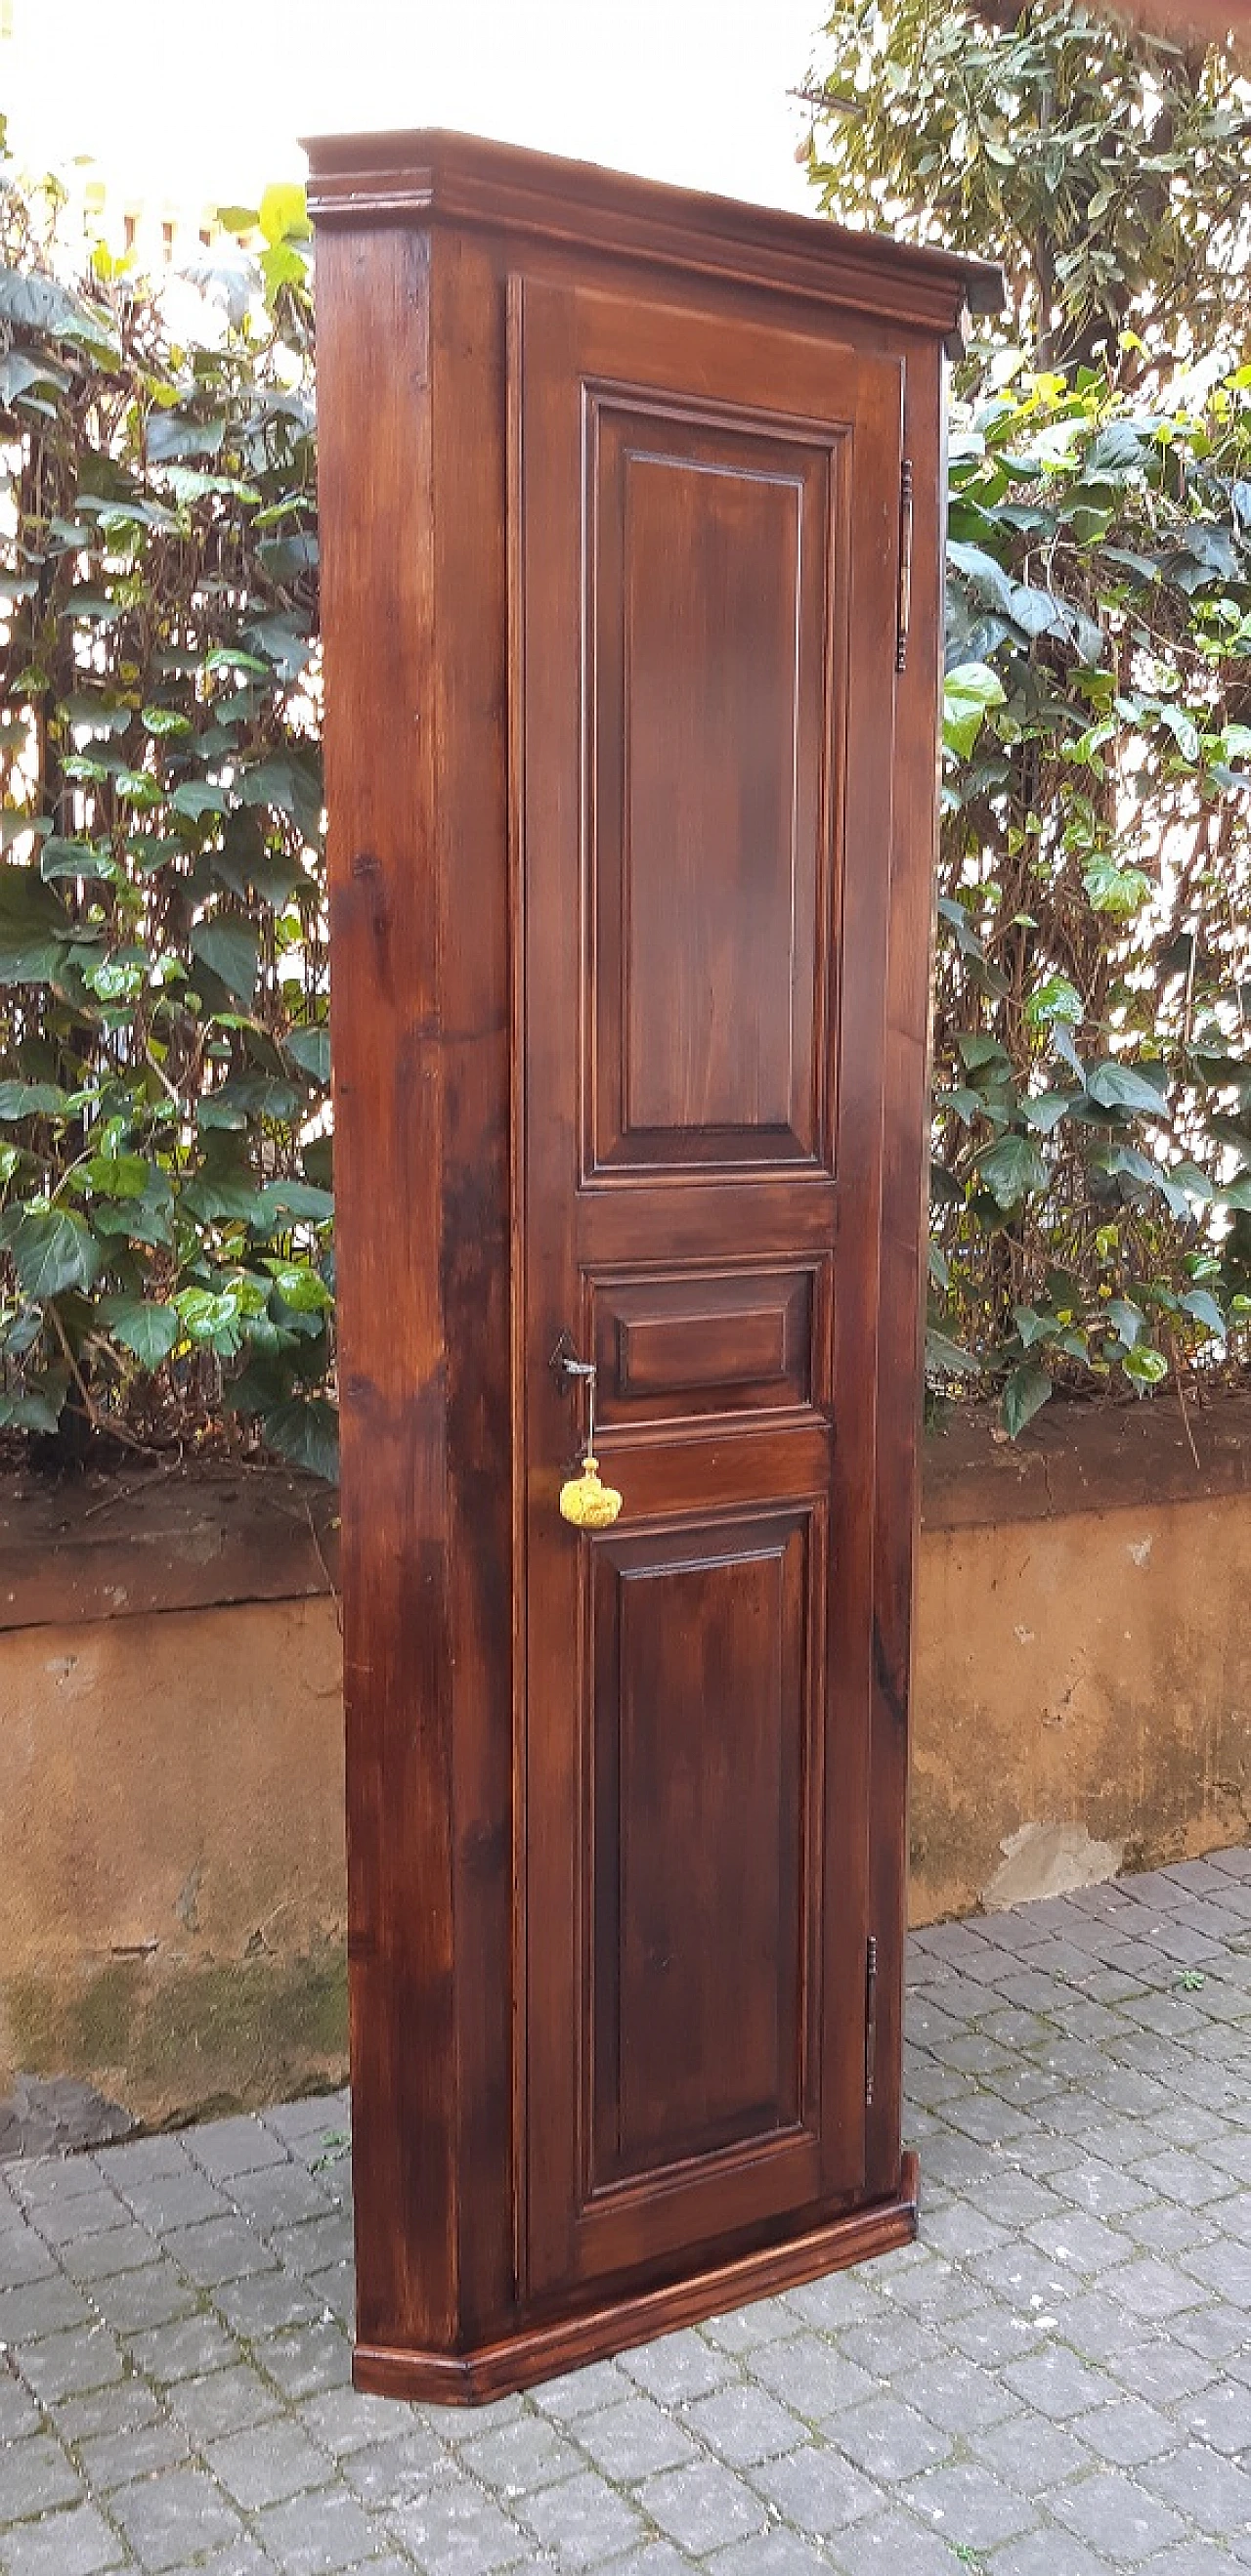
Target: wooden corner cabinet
{"type": "Point", "coordinates": [631, 516]}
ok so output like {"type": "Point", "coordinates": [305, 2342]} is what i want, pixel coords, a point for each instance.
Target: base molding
{"type": "Point", "coordinates": [538, 2352]}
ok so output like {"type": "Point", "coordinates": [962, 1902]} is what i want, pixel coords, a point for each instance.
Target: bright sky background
{"type": "Point", "coordinates": [206, 98]}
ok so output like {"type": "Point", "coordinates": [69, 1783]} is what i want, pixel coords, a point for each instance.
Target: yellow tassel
{"type": "Point", "coordinates": [587, 1503]}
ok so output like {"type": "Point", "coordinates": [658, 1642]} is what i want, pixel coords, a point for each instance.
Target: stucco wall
{"type": "Point", "coordinates": [171, 1776]}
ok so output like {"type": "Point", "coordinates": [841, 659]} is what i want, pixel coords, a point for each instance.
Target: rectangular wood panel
{"type": "Point", "coordinates": [702, 1758]}
{"type": "Point", "coordinates": [709, 590]}
{"type": "Point", "coordinates": [707, 1341]}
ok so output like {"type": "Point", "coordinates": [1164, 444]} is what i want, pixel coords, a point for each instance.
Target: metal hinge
{"type": "Point", "coordinates": [870, 2015]}
{"type": "Point", "coordinates": [905, 564]}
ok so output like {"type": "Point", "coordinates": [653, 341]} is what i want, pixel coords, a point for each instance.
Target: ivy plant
{"type": "Point", "coordinates": [165, 1181]}
{"type": "Point", "coordinates": [1091, 1175]}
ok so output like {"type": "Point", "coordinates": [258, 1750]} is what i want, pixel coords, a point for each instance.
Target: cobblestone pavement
{"type": "Point", "coordinates": [1055, 2382]}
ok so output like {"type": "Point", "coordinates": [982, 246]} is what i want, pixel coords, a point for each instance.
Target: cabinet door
{"type": "Point", "coordinates": [705, 533]}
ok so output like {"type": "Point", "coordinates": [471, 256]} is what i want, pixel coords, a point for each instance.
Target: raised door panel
{"type": "Point", "coordinates": [708, 623]}
{"type": "Point", "coordinates": [702, 1776]}
{"type": "Point", "coordinates": [705, 536]}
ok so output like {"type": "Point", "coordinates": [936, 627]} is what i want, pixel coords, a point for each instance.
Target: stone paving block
{"type": "Point", "coordinates": [187, 2349]}
{"type": "Point", "coordinates": [24, 2257]}
{"type": "Point", "coordinates": [41, 2307]}
{"type": "Point", "coordinates": [279, 2196]}
{"type": "Point", "coordinates": [780, 2553]}
{"type": "Point", "coordinates": [308, 2359]}
{"type": "Point", "coordinates": [39, 2182]}
{"type": "Point", "coordinates": [816, 2489]}
{"type": "Point", "coordinates": [218, 2250]}
{"type": "Point", "coordinates": [960, 2397]}
{"type": "Point", "coordinates": [239, 2146]}
{"type": "Point", "coordinates": [681, 2366]}
{"type": "Point", "coordinates": [183, 2199]}
{"type": "Point", "coordinates": [703, 2507]}
{"type": "Point", "coordinates": [409, 2466]}
{"type": "Point", "coordinates": [131, 2301]}
{"type": "Point", "coordinates": [334, 2292]}
{"type": "Point", "coordinates": [636, 2438]}
{"type": "Point", "coordinates": [746, 2329]}
{"type": "Point", "coordinates": [657, 2558]}
{"type": "Point", "coordinates": [317, 2535]}
{"type": "Point", "coordinates": [996, 2332]}
{"type": "Point", "coordinates": [578, 2394]}
{"type": "Point", "coordinates": [1117, 2516]}
{"type": "Point", "coordinates": [225, 2401]}
{"type": "Point", "coordinates": [969, 2505]}
{"type": "Point", "coordinates": [34, 2476]}
{"type": "Point", "coordinates": [842, 2299]}
{"type": "Point", "coordinates": [514, 2458]}
{"type": "Point", "coordinates": [1205, 2487]}
{"type": "Point", "coordinates": [125, 2407]}
{"type": "Point", "coordinates": [141, 2160]}
{"type": "Point", "coordinates": [1191, 2558]}
{"type": "Point", "coordinates": [343, 2421]}
{"type": "Point", "coordinates": [745, 2425]}
{"type": "Point", "coordinates": [1164, 2228]}
{"type": "Point", "coordinates": [1056, 2384]}
{"type": "Point", "coordinates": [892, 2347]}
{"type": "Point", "coordinates": [64, 2365]}
{"type": "Point", "coordinates": [892, 2544]}
{"type": "Point", "coordinates": [181, 2515]}
{"type": "Point", "coordinates": [1044, 2553]}
{"type": "Point", "coordinates": [890, 2441]}
{"type": "Point", "coordinates": [260, 2304]}
{"type": "Point", "coordinates": [1029, 2453]}
{"type": "Point", "coordinates": [1161, 2371]}
{"type": "Point", "coordinates": [309, 2117]}
{"type": "Point", "coordinates": [77, 2543]}
{"type": "Point", "coordinates": [1221, 2416]}
{"type": "Point", "coordinates": [114, 2459]}
{"type": "Point", "coordinates": [244, 2558]}
{"type": "Point", "coordinates": [457, 2531]}
{"type": "Point", "coordinates": [1127, 2432]}
{"type": "Point", "coordinates": [266, 2464]}
{"type": "Point", "coordinates": [814, 2377]}
{"type": "Point", "coordinates": [582, 2521]}
{"type": "Point", "coordinates": [1218, 2332]}
{"type": "Point", "coordinates": [19, 2414]}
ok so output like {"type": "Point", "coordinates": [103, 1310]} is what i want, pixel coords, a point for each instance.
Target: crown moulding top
{"type": "Point", "coordinates": [461, 179]}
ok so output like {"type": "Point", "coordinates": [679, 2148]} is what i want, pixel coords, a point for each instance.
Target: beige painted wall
{"type": "Point", "coordinates": [1090, 1673]}
{"type": "Point", "coordinates": [171, 1786]}
{"type": "Point", "coordinates": [172, 1904]}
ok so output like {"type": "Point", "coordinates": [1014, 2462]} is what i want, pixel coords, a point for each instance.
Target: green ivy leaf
{"type": "Point", "coordinates": [146, 1329]}
{"type": "Point", "coordinates": [32, 1100]}
{"type": "Point", "coordinates": [968, 691]}
{"type": "Point", "coordinates": [54, 1250]}
{"type": "Point", "coordinates": [1117, 1086]}
{"type": "Point", "coordinates": [299, 1199]}
{"type": "Point", "coordinates": [1127, 1320]}
{"type": "Point", "coordinates": [1026, 1392]}
{"type": "Point", "coordinates": [300, 1288]}
{"type": "Point", "coordinates": [1011, 1168]}
{"type": "Point", "coordinates": [230, 949]}
{"type": "Point", "coordinates": [310, 1049]}
{"type": "Point", "coordinates": [1053, 1003]}
{"type": "Point", "coordinates": [306, 1432]}
{"type": "Point", "coordinates": [1144, 1365]}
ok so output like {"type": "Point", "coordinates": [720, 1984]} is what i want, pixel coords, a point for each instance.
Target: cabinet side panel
{"type": "Point", "coordinates": [904, 1236]}
{"type": "Point", "coordinates": [378, 615]}
{"type": "Point", "coordinates": [470, 474]}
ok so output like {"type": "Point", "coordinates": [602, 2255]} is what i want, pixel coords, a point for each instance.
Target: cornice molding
{"type": "Point", "coordinates": [431, 177]}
